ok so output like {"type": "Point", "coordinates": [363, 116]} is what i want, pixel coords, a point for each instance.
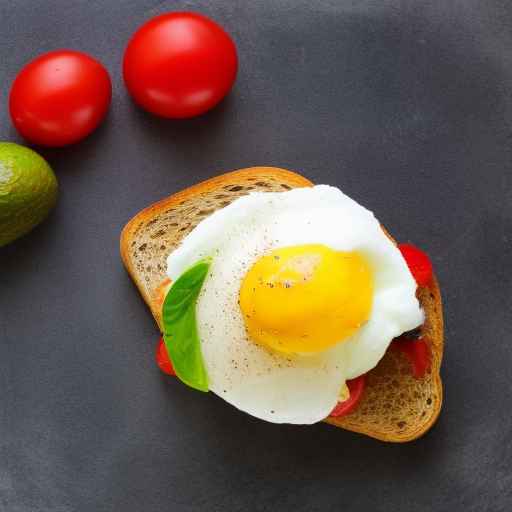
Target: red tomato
{"type": "Point", "coordinates": [356, 387]}
{"type": "Point", "coordinates": [60, 98]}
{"type": "Point", "coordinates": [418, 262]}
{"type": "Point", "coordinates": [417, 352]}
{"type": "Point", "coordinates": [162, 358]}
{"type": "Point", "coordinates": [179, 65]}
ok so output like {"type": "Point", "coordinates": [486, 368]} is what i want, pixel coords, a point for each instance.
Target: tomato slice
{"type": "Point", "coordinates": [356, 387]}
{"type": "Point", "coordinates": [418, 353]}
{"type": "Point", "coordinates": [162, 358]}
{"type": "Point", "coordinates": [419, 264]}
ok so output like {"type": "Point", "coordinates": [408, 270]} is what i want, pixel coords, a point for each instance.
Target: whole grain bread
{"type": "Point", "coordinates": [395, 406]}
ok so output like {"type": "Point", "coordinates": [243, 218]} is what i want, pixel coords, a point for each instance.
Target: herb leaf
{"type": "Point", "coordinates": [180, 326]}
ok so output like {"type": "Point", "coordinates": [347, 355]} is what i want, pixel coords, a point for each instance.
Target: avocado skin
{"type": "Point", "coordinates": [28, 191]}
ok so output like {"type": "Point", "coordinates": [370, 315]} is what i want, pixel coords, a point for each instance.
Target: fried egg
{"type": "Point", "coordinates": [304, 292]}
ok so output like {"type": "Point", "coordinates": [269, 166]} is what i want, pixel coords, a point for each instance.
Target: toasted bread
{"type": "Point", "coordinates": [395, 407]}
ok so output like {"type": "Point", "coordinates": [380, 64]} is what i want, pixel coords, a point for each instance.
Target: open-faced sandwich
{"type": "Point", "coordinates": [292, 303]}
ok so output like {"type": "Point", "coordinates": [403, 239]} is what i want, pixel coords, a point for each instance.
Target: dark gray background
{"type": "Point", "coordinates": [407, 107]}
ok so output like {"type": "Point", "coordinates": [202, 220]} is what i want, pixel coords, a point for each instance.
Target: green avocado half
{"type": "Point", "coordinates": [28, 190]}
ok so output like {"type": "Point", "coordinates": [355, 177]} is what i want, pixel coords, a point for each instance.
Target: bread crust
{"type": "Point", "coordinates": [216, 183]}
{"type": "Point", "coordinates": [396, 423]}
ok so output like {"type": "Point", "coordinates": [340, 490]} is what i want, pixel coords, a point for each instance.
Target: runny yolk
{"type": "Point", "coordinates": [306, 298]}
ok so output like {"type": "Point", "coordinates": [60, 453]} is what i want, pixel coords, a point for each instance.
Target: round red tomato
{"type": "Point", "coordinates": [179, 65]}
{"type": "Point", "coordinates": [60, 98]}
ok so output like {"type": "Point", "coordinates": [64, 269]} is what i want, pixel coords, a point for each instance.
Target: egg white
{"type": "Point", "coordinates": [281, 388]}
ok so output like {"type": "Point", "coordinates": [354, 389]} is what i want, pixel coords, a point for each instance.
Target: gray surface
{"type": "Point", "coordinates": [404, 105]}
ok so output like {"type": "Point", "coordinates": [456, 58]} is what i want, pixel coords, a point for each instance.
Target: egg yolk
{"type": "Point", "coordinates": [306, 298]}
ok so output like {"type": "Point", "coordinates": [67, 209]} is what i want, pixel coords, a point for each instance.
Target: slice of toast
{"type": "Point", "coordinates": [395, 406]}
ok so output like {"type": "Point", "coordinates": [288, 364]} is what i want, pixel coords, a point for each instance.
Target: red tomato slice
{"type": "Point", "coordinates": [162, 358]}
{"type": "Point", "coordinates": [356, 387]}
{"type": "Point", "coordinates": [418, 262]}
{"type": "Point", "coordinates": [60, 97]}
{"type": "Point", "coordinates": [417, 352]}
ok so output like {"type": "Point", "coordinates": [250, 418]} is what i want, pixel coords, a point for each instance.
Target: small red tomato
{"type": "Point", "coordinates": [417, 353]}
{"type": "Point", "coordinates": [59, 98]}
{"type": "Point", "coordinates": [418, 262]}
{"type": "Point", "coordinates": [162, 358]}
{"type": "Point", "coordinates": [356, 387]}
{"type": "Point", "coordinates": [179, 65]}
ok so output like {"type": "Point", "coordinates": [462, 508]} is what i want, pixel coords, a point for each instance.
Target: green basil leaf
{"type": "Point", "coordinates": [180, 326]}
